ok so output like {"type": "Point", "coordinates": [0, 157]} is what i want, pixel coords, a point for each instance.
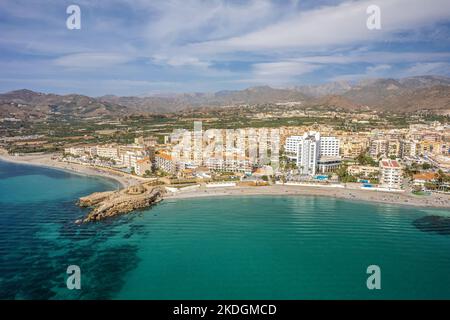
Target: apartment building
{"type": "Point", "coordinates": [364, 171]}
{"type": "Point", "coordinates": [378, 147]}
{"type": "Point", "coordinates": [129, 159]}
{"type": "Point", "coordinates": [75, 151]}
{"type": "Point", "coordinates": [352, 149]}
{"type": "Point", "coordinates": [391, 174]}
{"type": "Point", "coordinates": [329, 147]}
{"type": "Point", "coordinates": [142, 166]}
{"type": "Point", "coordinates": [107, 151]}
{"type": "Point", "coordinates": [408, 148]}
{"type": "Point", "coordinates": [239, 164]}
{"type": "Point", "coordinates": [393, 148]}
{"type": "Point", "coordinates": [164, 162]}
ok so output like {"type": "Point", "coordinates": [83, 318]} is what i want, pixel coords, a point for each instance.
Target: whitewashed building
{"type": "Point", "coordinates": [307, 150]}
{"type": "Point", "coordinates": [391, 173]}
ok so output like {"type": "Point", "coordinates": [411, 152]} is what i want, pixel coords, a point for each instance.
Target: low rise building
{"type": "Point", "coordinates": [364, 171]}
{"type": "Point", "coordinates": [75, 151]}
{"type": "Point", "coordinates": [419, 179]}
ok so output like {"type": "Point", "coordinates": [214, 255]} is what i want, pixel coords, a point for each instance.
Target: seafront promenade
{"type": "Point", "coordinates": [52, 161]}
{"type": "Point", "coordinates": [346, 192]}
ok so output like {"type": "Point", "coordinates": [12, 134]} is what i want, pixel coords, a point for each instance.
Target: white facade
{"type": "Point", "coordinates": [306, 150]}
{"type": "Point", "coordinates": [75, 151]}
{"type": "Point", "coordinates": [231, 165]}
{"type": "Point", "coordinates": [290, 146]}
{"type": "Point", "coordinates": [110, 152]}
{"type": "Point", "coordinates": [391, 174]}
{"type": "Point", "coordinates": [378, 147]}
{"type": "Point", "coordinates": [329, 147]}
{"type": "Point", "coordinates": [164, 162]}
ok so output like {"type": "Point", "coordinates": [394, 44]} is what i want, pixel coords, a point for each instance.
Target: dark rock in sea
{"type": "Point", "coordinates": [437, 224]}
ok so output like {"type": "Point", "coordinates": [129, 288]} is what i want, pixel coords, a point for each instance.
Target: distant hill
{"type": "Point", "coordinates": [407, 95]}
{"type": "Point", "coordinates": [178, 102]}
{"type": "Point", "coordinates": [26, 103]}
{"type": "Point", "coordinates": [403, 96]}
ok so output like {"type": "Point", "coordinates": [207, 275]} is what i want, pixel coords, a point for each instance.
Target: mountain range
{"type": "Point", "coordinates": [406, 95]}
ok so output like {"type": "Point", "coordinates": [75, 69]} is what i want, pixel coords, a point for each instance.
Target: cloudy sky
{"type": "Point", "coordinates": [142, 47]}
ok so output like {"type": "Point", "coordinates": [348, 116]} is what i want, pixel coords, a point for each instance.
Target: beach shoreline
{"type": "Point", "coordinates": [439, 201]}
{"type": "Point", "coordinates": [432, 201]}
{"type": "Point", "coordinates": [50, 161]}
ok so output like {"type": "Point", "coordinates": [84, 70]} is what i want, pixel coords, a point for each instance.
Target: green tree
{"type": "Point", "coordinates": [426, 166]}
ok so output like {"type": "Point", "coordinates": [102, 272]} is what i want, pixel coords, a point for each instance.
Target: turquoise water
{"type": "Point", "coordinates": [216, 248]}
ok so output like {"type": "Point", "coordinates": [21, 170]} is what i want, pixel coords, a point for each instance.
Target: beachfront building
{"type": "Point", "coordinates": [129, 159]}
{"type": "Point", "coordinates": [308, 153]}
{"type": "Point", "coordinates": [329, 147]}
{"type": "Point", "coordinates": [142, 166]}
{"type": "Point", "coordinates": [229, 164]}
{"type": "Point", "coordinates": [107, 151]}
{"type": "Point", "coordinates": [420, 179]}
{"type": "Point", "coordinates": [364, 171]}
{"type": "Point", "coordinates": [312, 153]}
{"type": "Point", "coordinates": [328, 164]}
{"type": "Point", "coordinates": [75, 151]}
{"type": "Point", "coordinates": [391, 173]}
{"type": "Point", "coordinates": [164, 162]}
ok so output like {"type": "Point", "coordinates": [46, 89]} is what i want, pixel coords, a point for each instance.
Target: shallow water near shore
{"type": "Point", "coordinates": [258, 247]}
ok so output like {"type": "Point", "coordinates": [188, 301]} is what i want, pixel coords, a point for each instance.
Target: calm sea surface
{"type": "Point", "coordinates": [216, 248]}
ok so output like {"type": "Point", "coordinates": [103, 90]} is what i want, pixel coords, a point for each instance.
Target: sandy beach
{"type": "Point", "coordinates": [432, 201]}
{"type": "Point", "coordinates": [348, 193]}
{"type": "Point", "coordinates": [51, 161]}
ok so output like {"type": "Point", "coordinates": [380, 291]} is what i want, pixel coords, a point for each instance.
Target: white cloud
{"type": "Point", "coordinates": [334, 25]}
{"type": "Point", "coordinates": [382, 57]}
{"type": "Point", "coordinates": [378, 69]}
{"type": "Point", "coordinates": [92, 60]}
{"type": "Point", "coordinates": [282, 69]}
{"type": "Point", "coordinates": [197, 20]}
{"type": "Point", "coordinates": [432, 68]}
{"type": "Point", "coordinates": [180, 61]}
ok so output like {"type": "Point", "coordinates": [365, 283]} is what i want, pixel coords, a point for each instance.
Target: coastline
{"type": "Point", "coordinates": [432, 202]}
{"type": "Point", "coordinates": [47, 161]}
{"type": "Point", "coordinates": [437, 201]}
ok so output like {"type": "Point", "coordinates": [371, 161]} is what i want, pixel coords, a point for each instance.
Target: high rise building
{"type": "Point", "coordinates": [329, 147]}
{"type": "Point", "coordinates": [306, 151]}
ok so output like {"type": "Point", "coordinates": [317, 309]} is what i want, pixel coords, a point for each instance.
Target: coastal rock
{"type": "Point", "coordinates": [433, 223]}
{"type": "Point", "coordinates": [94, 198]}
{"type": "Point", "coordinates": [112, 203]}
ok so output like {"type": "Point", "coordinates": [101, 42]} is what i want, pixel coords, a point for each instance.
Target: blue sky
{"type": "Point", "coordinates": [143, 47]}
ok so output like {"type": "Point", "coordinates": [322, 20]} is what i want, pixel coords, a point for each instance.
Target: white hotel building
{"type": "Point", "coordinates": [312, 153]}
{"type": "Point", "coordinates": [391, 174]}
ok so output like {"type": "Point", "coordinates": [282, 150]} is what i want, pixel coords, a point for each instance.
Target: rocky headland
{"type": "Point", "coordinates": [112, 203]}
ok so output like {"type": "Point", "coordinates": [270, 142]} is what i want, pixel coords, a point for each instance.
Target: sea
{"type": "Point", "coordinates": [248, 247]}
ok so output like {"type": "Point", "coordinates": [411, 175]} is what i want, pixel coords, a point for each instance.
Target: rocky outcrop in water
{"type": "Point", "coordinates": [437, 224]}
{"type": "Point", "coordinates": [112, 203]}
